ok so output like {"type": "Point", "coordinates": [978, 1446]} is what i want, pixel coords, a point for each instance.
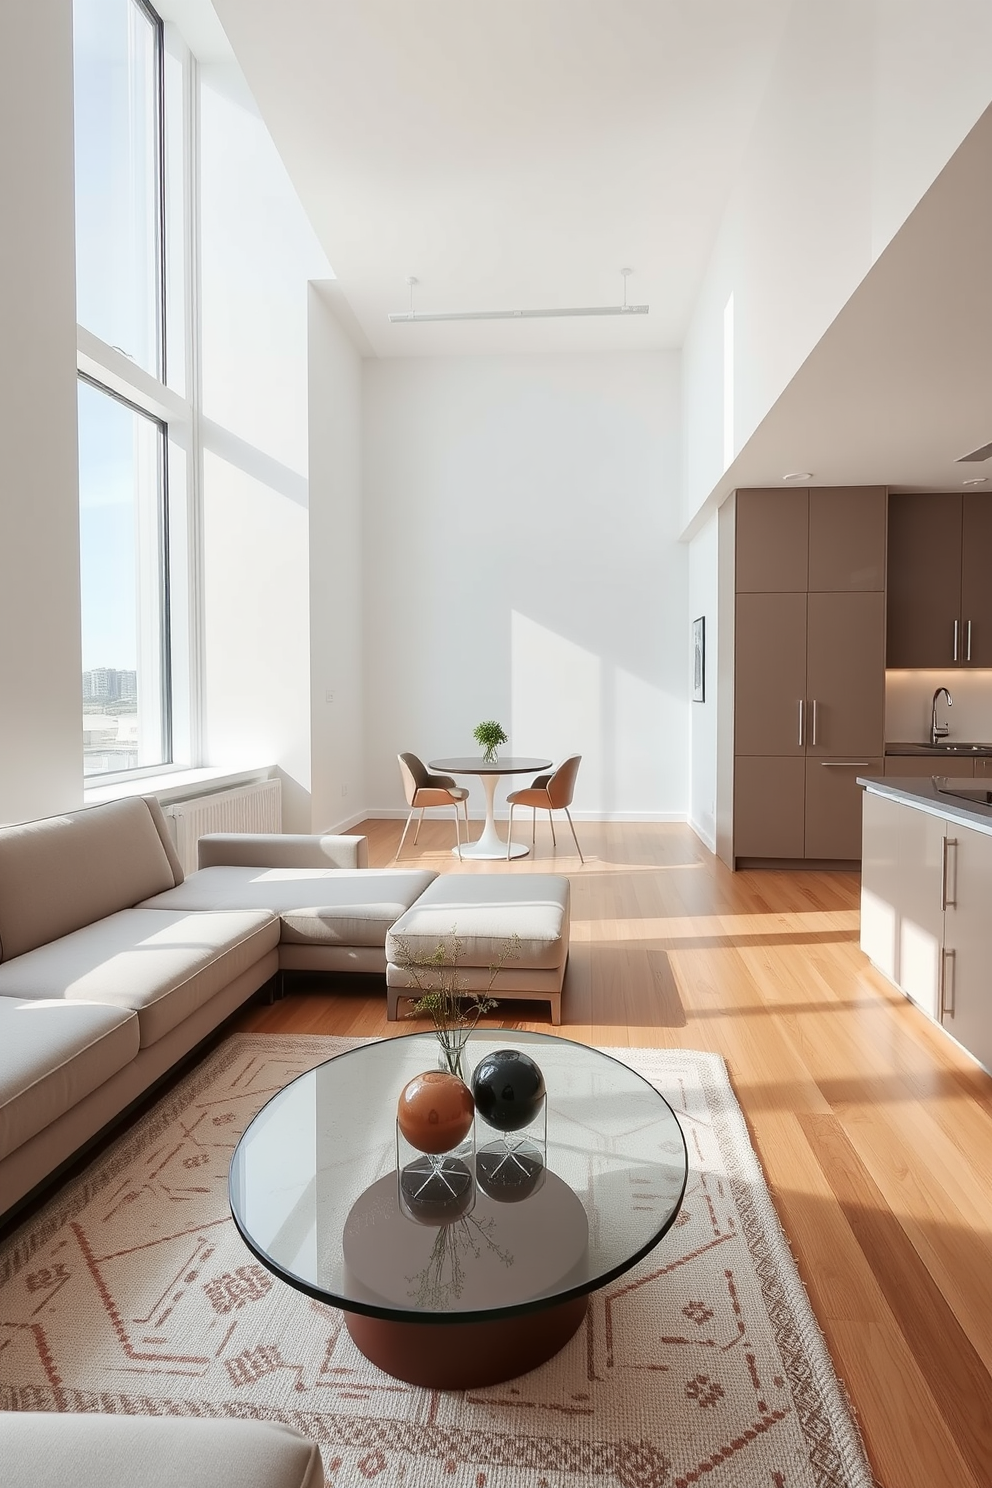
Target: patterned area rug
{"type": "Point", "coordinates": [132, 1292]}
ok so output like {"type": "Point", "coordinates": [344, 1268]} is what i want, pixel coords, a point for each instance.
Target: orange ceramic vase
{"type": "Point", "coordinates": [435, 1111]}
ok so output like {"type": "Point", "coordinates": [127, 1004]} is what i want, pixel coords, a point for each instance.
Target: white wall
{"type": "Point", "coordinates": [704, 600]}
{"type": "Point", "coordinates": [40, 658]}
{"type": "Point", "coordinates": [337, 737]}
{"type": "Point", "coordinates": [258, 252]}
{"type": "Point", "coordinates": [867, 102]}
{"type": "Point", "coordinates": [522, 563]}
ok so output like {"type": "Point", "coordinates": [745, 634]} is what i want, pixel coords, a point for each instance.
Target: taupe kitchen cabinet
{"type": "Point", "coordinates": [926, 885]}
{"type": "Point", "coordinates": [939, 594]}
{"type": "Point", "coordinates": [809, 691]}
{"type": "Point", "coordinates": [919, 766]}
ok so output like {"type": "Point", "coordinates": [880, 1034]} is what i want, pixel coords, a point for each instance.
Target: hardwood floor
{"type": "Point", "coordinates": [874, 1129]}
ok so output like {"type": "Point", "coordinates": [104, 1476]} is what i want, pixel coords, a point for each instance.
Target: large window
{"type": "Point", "coordinates": [124, 581]}
{"type": "Point", "coordinates": [132, 428]}
{"type": "Point", "coordinates": [119, 175]}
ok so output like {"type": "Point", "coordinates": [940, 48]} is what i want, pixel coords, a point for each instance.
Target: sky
{"type": "Point", "coordinates": [116, 291]}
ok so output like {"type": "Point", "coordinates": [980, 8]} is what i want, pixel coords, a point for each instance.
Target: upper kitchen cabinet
{"type": "Point", "coordinates": [939, 598]}
{"type": "Point", "coordinates": [846, 539]}
{"type": "Point", "coordinates": [976, 584]}
{"type": "Point", "coordinates": [828, 540]}
{"type": "Point", "coordinates": [772, 542]}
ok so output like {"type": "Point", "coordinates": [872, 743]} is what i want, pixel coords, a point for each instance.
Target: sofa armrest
{"type": "Point", "coordinates": [281, 850]}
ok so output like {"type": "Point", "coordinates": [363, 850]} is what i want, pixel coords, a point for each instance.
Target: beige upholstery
{"type": "Point", "coordinates": [422, 789]}
{"type": "Point", "coordinates": [90, 1450]}
{"type": "Point", "coordinates": [61, 873]}
{"type": "Point", "coordinates": [54, 1054]}
{"type": "Point", "coordinates": [32, 1162]}
{"type": "Point", "coordinates": [483, 911]}
{"type": "Point", "coordinates": [316, 906]}
{"type": "Point", "coordinates": [281, 850]}
{"type": "Point", "coordinates": [548, 793]}
{"type": "Point", "coordinates": [161, 964]}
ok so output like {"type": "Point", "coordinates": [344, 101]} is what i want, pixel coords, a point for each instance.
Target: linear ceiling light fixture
{"type": "Point", "coordinates": [408, 316]}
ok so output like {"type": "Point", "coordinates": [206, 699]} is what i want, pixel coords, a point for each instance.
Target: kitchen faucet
{"type": "Point", "coordinates": [939, 730]}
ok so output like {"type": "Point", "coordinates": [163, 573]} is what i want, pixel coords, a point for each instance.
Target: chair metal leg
{"type": "Point", "coordinates": [467, 837]}
{"type": "Point", "coordinates": [576, 840]}
{"type": "Point", "coordinates": [554, 839]}
{"type": "Point", "coordinates": [509, 833]}
{"type": "Point", "coordinates": [420, 823]}
{"type": "Point", "coordinates": [403, 838]}
{"type": "Point", "coordinates": [533, 828]}
{"type": "Point", "coordinates": [458, 831]}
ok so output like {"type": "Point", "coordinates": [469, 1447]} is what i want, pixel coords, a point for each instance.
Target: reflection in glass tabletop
{"type": "Point", "coordinates": [314, 1190]}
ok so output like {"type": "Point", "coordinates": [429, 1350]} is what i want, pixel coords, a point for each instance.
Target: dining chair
{"type": "Point", "coordinates": [422, 789]}
{"type": "Point", "coordinates": [551, 793]}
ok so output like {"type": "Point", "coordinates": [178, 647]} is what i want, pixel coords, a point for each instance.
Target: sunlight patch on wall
{"type": "Point", "coordinates": [556, 703]}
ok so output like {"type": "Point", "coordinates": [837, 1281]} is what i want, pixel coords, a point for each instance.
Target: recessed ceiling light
{"type": "Point", "coordinates": [976, 480]}
{"type": "Point", "coordinates": [799, 475]}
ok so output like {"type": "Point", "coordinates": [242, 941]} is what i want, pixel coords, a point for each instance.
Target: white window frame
{"type": "Point", "coordinates": [177, 407]}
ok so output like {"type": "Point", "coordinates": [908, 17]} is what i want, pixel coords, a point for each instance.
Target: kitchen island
{"type": "Point", "coordinates": [926, 899]}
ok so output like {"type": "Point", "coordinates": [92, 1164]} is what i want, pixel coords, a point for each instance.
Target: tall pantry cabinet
{"type": "Point", "coordinates": [809, 669]}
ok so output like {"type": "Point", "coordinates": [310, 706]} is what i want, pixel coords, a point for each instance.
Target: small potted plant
{"type": "Point", "coordinates": [490, 735]}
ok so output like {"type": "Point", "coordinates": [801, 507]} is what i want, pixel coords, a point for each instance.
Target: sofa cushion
{"type": "Point", "coordinates": [39, 1448]}
{"type": "Point", "coordinates": [162, 964]}
{"type": "Point", "coordinates": [317, 906]}
{"type": "Point", "coordinates": [483, 910]}
{"type": "Point", "coordinates": [54, 1054]}
{"type": "Point", "coordinates": [64, 872]}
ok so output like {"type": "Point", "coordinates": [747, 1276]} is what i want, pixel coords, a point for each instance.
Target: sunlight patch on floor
{"type": "Point", "coordinates": [691, 927]}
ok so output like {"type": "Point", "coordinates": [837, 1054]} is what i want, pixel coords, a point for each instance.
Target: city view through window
{"type": "Point", "coordinates": [122, 583]}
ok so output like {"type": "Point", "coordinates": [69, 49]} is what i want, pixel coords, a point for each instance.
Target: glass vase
{"type": "Point", "coordinates": [451, 1051]}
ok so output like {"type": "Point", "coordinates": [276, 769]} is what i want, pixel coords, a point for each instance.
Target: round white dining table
{"type": "Point", "coordinates": [490, 844]}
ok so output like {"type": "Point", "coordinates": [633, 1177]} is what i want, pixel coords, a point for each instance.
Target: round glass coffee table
{"type": "Point", "coordinates": [494, 1280]}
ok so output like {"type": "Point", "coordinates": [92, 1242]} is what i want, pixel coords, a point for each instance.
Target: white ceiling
{"type": "Point", "coordinates": [900, 386]}
{"type": "Point", "coordinates": [511, 154]}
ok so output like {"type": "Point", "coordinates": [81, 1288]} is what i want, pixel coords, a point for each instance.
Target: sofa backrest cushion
{"type": "Point", "coordinates": [64, 872]}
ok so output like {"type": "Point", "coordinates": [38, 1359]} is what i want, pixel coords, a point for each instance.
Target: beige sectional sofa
{"type": "Point", "coordinates": [41, 1448]}
{"type": "Point", "coordinates": [113, 966]}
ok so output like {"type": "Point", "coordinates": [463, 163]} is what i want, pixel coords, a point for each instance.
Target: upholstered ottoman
{"type": "Point", "coordinates": [481, 912]}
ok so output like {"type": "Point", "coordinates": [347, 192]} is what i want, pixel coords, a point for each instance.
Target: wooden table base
{"type": "Point", "coordinates": [460, 1356]}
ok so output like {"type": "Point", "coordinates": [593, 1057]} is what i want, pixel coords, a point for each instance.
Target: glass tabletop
{"type": "Point", "coordinates": [315, 1194]}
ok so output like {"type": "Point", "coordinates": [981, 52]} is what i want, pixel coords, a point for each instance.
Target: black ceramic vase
{"type": "Point", "coordinates": [508, 1089]}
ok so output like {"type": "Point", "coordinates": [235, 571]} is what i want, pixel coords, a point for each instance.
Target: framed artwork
{"type": "Point", "coordinates": [699, 660]}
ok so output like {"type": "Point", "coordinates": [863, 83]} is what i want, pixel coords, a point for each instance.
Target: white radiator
{"type": "Point", "coordinates": [247, 808]}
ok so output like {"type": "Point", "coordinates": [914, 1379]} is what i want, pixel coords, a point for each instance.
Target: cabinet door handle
{"type": "Point", "coordinates": [802, 723]}
{"type": "Point", "coordinates": [815, 740]}
{"type": "Point", "coordinates": [947, 1003]}
{"type": "Point", "coordinates": [955, 656]}
{"type": "Point", "coordinates": [945, 901]}
{"type": "Point", "coordinates": [845, 764]}
{"type": "Point", "coordinates": [967, 642]}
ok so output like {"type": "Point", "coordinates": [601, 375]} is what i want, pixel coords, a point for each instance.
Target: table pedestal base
{"type": "Point", "coordinates": [461, 1356]}
{"type": "Point", "coordinates": [492, 850]}
{"type": "Point", "coordinates": [490, 845]}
